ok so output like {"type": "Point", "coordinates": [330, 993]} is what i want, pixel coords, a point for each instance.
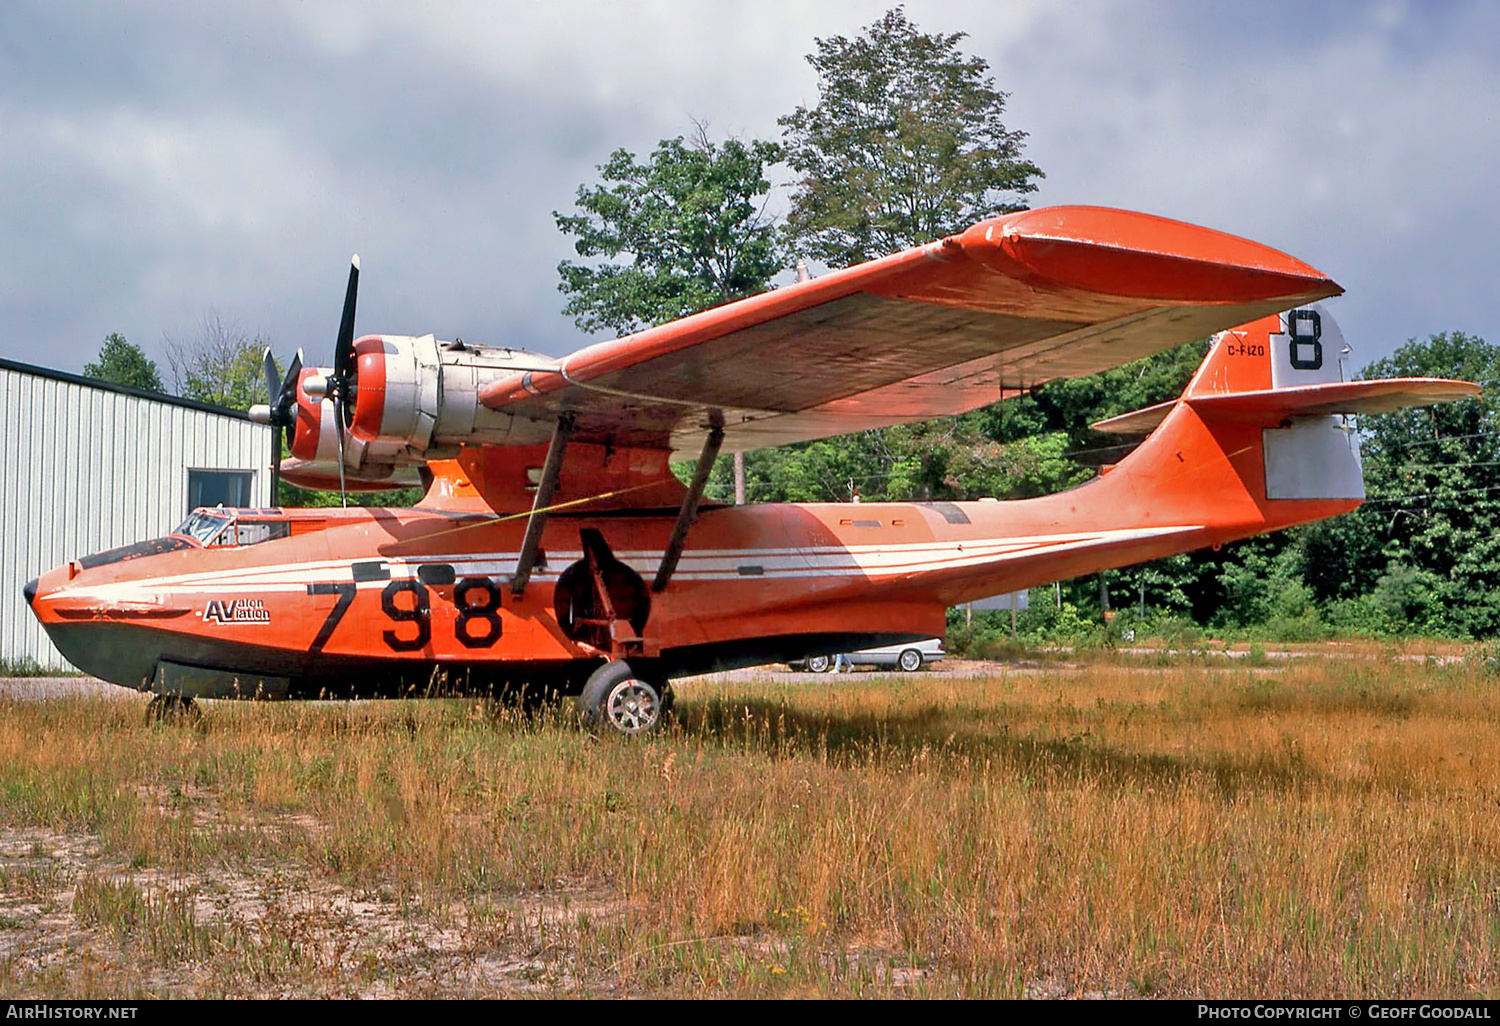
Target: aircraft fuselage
{"type": "Point", "coordinates": [369, 602]}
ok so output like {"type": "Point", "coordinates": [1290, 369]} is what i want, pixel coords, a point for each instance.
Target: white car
{"type": "Point", "coordinates": [911, 656]}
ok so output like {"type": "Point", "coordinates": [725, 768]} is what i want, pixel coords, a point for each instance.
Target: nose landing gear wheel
{"type": "Point", "coordinates": [620, 701]}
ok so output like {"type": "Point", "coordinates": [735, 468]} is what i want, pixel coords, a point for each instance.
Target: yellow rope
{"type": "Point", "coordinates": [545, 509]}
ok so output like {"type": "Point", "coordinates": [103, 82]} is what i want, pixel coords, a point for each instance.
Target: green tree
{"type": "Point", "coordinates": [1421, 555]}
{"type": "Point", "coordinates": [122, 363]}
{"type": "Point", "coordinates": [905, 145]}
{"type": "Point", "coordinates": [1428, 537]}
{"type": "Point", "coordinates": [219, 364]}
{"type": "Point", "coordinates": [691, 224]}
{"type": "Point", "coordinates": [1031, 445]}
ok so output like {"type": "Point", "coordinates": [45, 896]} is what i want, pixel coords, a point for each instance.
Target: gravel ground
{"type": "Point", "coordinates": [42, 688]}
{"type": "Point", "coordinates": [38, 689]}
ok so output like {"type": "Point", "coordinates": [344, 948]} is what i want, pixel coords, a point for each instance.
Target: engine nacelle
{"type": "Point", "coordinates": [314, 444]}
{"type": "Point", "coordinates": [420, 397]}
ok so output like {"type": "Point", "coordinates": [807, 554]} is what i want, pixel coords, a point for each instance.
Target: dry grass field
{"type": "Point", "coordinates": [1139, 826]}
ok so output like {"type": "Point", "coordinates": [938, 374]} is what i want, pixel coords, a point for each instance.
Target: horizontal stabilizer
{"type": "Point", "coordinates": [1384, 396]}
{"type": "Point", "coordinates": [1272, 405]}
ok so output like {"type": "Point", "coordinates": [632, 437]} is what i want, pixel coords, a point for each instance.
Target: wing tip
{"type": "Point", "coordinates": [1141, 256]}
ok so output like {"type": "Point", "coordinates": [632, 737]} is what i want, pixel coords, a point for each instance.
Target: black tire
{"type": "Point", "coordinates": [618, 700]}
{"type": "Point", "coordinates": [820, 664]}
{"type": "Point", "coordinates": [910, 660]}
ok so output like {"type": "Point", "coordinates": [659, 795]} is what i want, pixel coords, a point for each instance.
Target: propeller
{"type": "Point", "coordinates": [340, 386]}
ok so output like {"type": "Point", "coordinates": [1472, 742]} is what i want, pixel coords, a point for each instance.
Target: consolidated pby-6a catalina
{"type": "Point", "coordinates": [555, 550]}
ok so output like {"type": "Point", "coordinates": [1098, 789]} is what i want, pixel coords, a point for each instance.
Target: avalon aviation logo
{"type": "Point", "coordinates": [229, 611]}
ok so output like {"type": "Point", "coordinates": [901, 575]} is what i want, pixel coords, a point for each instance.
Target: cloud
{"type": "Point", "coordinates": [160, 161]}
{"type": "Point", "coordinates": [1365, 145]}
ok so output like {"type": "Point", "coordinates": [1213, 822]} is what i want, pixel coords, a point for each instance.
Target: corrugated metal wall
{"type": "Point", "coordinates": [84, 469]}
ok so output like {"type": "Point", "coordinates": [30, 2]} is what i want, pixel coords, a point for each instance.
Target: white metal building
{"type": "Point", "coordinates": [86, 466]}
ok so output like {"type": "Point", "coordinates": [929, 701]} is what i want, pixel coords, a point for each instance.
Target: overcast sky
{"type": "Point", "coordinates": [162, 161]}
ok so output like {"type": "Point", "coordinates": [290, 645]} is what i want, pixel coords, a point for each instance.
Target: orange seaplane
{"type": "Point", "coordinates": [554, 549]}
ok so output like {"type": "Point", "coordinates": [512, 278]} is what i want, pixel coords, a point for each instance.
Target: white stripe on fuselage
{"type": "Point", "coordinates": [867, 561]}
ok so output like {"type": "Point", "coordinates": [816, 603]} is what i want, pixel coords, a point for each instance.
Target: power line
{"type": "Point", "coordinates": [1449, 466]}
{"type": "Point", "coordinates": [1433, 495]}
{"type": "Point", "coordinates": [1442, 438]}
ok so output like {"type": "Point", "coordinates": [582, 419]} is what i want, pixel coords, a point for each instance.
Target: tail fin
{"type": "Point", "coordinates": [1298, 348]}
{"type": "Point", "coordinates": [1290, 350]}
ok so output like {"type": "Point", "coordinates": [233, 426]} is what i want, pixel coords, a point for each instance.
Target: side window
{"type": "Point", "coordinates": [252, 532]}
{"type": "Point", "coordinates": [228, 488]}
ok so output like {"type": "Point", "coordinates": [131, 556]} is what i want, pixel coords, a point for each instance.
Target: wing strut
{"type": "Point", "coordinates": [551, 471]}
{"type": "Point", "coordinates": [689, 511]}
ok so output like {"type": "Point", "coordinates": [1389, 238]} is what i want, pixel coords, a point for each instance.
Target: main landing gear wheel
{"type": "Point", "coordinates": [819, 664]}
{"type": "Point", "coordinates": [179, 709]}
{"type": "Point", "coordinates": [619, 700]}
{"type": "Point", "coordinates": [911, 660]}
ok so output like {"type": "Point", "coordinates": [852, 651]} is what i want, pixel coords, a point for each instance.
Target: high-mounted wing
{"type": "Point", "coordinates": [1007, 305]}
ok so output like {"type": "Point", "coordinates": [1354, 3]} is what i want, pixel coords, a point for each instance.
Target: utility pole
{"type": "Point", "coordinates": [739, 479]}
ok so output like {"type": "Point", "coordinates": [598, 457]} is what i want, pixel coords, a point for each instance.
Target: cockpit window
{"type": "Point", "coordinates": [219, 527]}
{"type": "Point", "coordinates": [204, 526]}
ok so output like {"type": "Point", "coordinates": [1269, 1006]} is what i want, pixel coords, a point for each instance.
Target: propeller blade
{"type": "Point", "coordinates": [338, 413]}
{"type": "Point", "coordinates": [275, 416]}
{"type": "Point", "coordinates": [275, 467]}
{"type": "Point", "coordinates": [288, 393]}
{"type": "Point", "coordinates": [286, 398]}
{"type": "Point", "coordinates": [273, 380]}
{"type": "Point", "coordinates": [343, 352]}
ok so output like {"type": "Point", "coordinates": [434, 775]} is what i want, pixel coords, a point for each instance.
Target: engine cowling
{"type": "Point", "coordinates": [314, 462]}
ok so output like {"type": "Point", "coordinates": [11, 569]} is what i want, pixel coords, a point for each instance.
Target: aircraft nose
{"type": "Point", "coordinates": [30, 591]}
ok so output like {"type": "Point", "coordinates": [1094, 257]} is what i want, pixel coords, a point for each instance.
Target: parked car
{"type": "Point", "coordinates": [910, 656]}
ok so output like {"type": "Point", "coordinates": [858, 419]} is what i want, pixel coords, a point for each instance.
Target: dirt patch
{"type": "Point", "coordinates": [266, 930]}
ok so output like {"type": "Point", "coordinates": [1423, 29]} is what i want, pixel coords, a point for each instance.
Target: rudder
{"type": "Point", "coordinates": [1288, 350]}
